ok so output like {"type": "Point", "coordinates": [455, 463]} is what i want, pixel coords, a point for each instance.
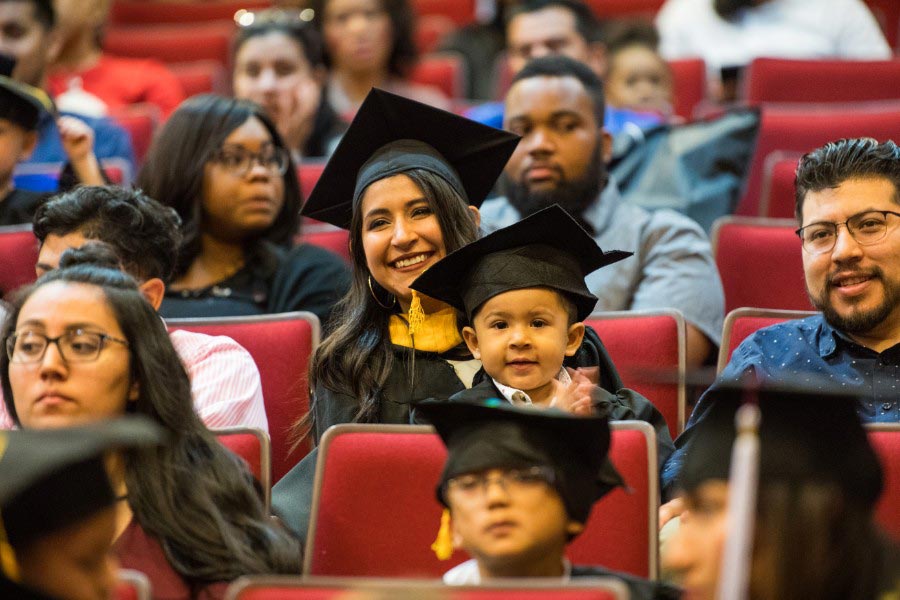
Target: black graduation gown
{"type": "Point", "coordinates": [18, 207]}
{"type": "Point", "coordinates": [638, 588]}
{"type": "Point", "coordinates": [10, 590]}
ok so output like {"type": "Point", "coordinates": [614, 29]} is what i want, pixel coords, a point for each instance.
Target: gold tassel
{"type": "Point", "coordinates": [416, 315]}
{"type": "Point", "coordinates": [8, 561]}
{"type": "Point", "coordinates": [443, 544]}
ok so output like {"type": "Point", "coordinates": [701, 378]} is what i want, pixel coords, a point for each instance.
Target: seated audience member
{"type": "Point", "coordinates": [522, 290]}
{"type": "Point", "coordinates": [84, 346]}
{"type": "Point", "coordinates": [58, 509]}
{"type": "Point", "coordinates": [818, 482]}
{"type": "Point", "coordinates": [729, 34]}
{"type": "Point", "coordinates": [518, 486]}
{"type": "Point", "coordinates": [20, 107]}
{"type": "Point", "coordinates": [536, 28]}
{"type": "Point", "coordinates": [369, 43]}
{"type": "Point", "coordinates": [28, 35]}
{"type": "Point", "coordinates": [557, 105]}
{"type": "Point", "coordinates": [278, 64]}
{"type": "Point", "coordinates": [847, 207]}
{"type": "Point", "coordinates": [145, 235]}
{"type": "Point", "coordinates": [637, 77]}
{"type": "Point", "coordinates": [222, 166]}
{"type": "Point", "coordinates": [116, 82]}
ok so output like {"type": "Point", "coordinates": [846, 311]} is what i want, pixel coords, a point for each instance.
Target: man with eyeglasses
{"type": "Point", "coordinates": [518, 486]}
{"type": "Point", "coordinates": [848, 207]}
{"type": "Point", "coordinates": [145, 236]}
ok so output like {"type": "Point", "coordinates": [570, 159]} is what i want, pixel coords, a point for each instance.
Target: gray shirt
{"type": "Point", "coordinates": [672, 266]}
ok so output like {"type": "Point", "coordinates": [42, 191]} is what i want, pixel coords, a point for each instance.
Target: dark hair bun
{"type": "Point", "coordinates": [96, 254]}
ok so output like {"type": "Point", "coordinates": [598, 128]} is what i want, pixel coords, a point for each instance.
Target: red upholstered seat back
{"type": "Point", "coordinates": [326, 588]}
{"type": "Point", "coordinates": [760, 263]}
{"type": "Point", "coordinates": [777, 199]}
{"type": "Point", "coordinates": [19, 252]}
{"type": "Point", "coordinates": [610, 9]}
{"type": "Point", "coordinates": [141, 12]}
{"type": "Point", "coordinates": [173, 43]}
{"type": "Point", "coordinates": [462, 12]}
{"type": "Point", "coordinates": [742, 322]}
{"type": "Point", "coordinates": [375, 514]}
{"type": "Point", "coordinates": [140, 121]}
{"type": "Point", "coordinates": [621, 532]}
{"type": "Point", "coordinates": [308, 172]}
{"type": "Point", "coordinates": [442, 71]}
{"type": "Point", "coordinates": [255, 449]}
{"type": "Point", "coordinates": [689, 85]}
{"type": "Point", "coordinates": [201, 77]}
{"type": "Point", "coordinates": [281, 345]}
{"type": "Point", "coordinates": [786, 80]}
{"type": "Point", "coordinates": [805, 128]}
{"type": "Point", "coordinates": [647, 343]}
{"type": "Point", "coordinates": [886, 441]}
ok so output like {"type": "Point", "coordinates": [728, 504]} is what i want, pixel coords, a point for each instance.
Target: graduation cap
{"type": "Point", "coordinates": [547, 249]}
{"type": "Point", "coordinates": [805, 434]}
{"type": "Point", "coordinates": [495, 434]}
{"type": "Point", "coordinates": [391, 135]}
{"type": "Point", "coordinates": [52, 478]}
{"type": "Point", "coordinates": [19, 102]}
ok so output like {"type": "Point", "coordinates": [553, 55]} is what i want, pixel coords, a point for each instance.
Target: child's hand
{"type": "Point", "coordinates": [77, 138]}
{"type": "Point", "coordinates": [576, 397]}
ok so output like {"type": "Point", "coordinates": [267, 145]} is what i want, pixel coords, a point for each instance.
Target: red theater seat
{"type": "Point", "coordinates": [803, 128]}
{"type": "Point", "coordinates": [140, 121]}
{"type": "Point", "coordinates": [327, 588]}
{"type": "Point", "coordinates": [254, 447]}
{"type": "Point", "coordinates": [777, 201]}
{"type": "Point", "coordinates": [742, 322]}
{"type": "Point", "coordinates": [141, 12]}
{"type": "Point", "coordinates": [885, 438]}
{"type": "Point", "coordinates": [617, 9]}
{"type": "Point", "coordinates": [818, 81]}
{"type": "Point", "coordinates": [760, 263]}
{"type": "Point", "coordinates": [173, 43]}
{"type": "Point", "coordinates": [643, 343]}
{"type": "Point", "coordinates": [431, 30]}
{"type": "Point", "coordinates": [462, 12]}
{"type": "Point", "coordinates": [442, 71]}
{"type": "Point", "coordinates": [689, 85]}
{"type": "Point", "coordinates": [19, 249]}
{"type": "Point", "coordinates": [281, 345]}
{"type": "Point", "coordinates": [374, 498]}
{"type": "Point", "coordinates": [308, 172]}
{"type": "Point", "coordinates": [201, 77]}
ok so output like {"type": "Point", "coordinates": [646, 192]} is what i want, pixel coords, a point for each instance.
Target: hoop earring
{"type": "Point", "coordinates": [377, 301]}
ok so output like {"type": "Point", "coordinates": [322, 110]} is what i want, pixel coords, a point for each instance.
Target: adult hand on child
{"type": "Point", "coordinates": [575, 397]}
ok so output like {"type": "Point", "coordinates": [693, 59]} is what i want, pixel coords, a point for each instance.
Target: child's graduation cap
{"type": "Point", "coordinates": [391, 135]}
{"type": "Point", "coordinates": [495, 434]}
{"type": "Point", "coordinates": [52, 478]}
{"type": "Point", "coordinates": [546, 249]}
{"type": "Point", "coordinates": [805, 434]}
{"type": "Point", "coordinates": [19, 102]}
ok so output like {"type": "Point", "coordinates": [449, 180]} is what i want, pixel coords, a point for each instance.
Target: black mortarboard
{"type": "Point", "coordinates": [51, 478]}
{"type": "Point", "coordinates": [546, 249]}
{"type": "Point", "coordinates": [19, 102]}
{"type": "Point", "coordinates": [392, 134]}
{"type": "Point", "coordinates": [804, 435]}
{"type": "Point", "coordinates": [495, 434]}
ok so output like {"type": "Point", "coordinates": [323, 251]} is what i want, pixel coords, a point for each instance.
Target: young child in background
{"type": "Point", "coordinates": [638, 78]}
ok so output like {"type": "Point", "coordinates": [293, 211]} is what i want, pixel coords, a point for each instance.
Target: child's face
{"type": "Point", "coordinates": [639, 80]}
{"type": "Point", "coordinates": [16, 145]}
{"type": "Point", "coordinates": [522, 337]}
{"type": "Point", "coordinates": [509, 524]}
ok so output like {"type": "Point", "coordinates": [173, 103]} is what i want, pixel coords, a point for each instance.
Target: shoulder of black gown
{"type": "Point", "coordinates": [309, 278]}
{"type": "Point", "coordinates": [592, 353]}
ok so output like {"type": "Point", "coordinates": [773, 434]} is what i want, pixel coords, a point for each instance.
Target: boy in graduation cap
{"type": "Point", "coordinates": [518, 486]}
{"type": "Point", "coordinates": [818, 482]}
{"type": "Point", "coordinates": [58, 509]}
{"type": "Point", "coordinates": [21, 106]}
{"type": "Point", "coordinates": [522, 289]}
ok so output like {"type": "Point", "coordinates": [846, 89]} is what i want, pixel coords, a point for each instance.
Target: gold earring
{"type": "Point", "coordinates": [377, 301]}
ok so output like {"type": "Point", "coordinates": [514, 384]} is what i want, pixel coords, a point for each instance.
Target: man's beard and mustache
{"type": "Point", "coordinates": [860, 321]}
{"type": "Point", "coordinates": [575, 195]}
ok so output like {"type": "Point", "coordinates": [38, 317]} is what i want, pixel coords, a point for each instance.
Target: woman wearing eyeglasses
{"type": "Point", "coordinates": [221, 164]}
{"type": "Point", "coordinates": [83, 345]}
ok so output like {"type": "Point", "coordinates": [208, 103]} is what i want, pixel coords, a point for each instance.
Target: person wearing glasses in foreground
{"type": "Point", "coordinates": [221, 164]}
{"type": "Point", "coordinates": [848, 208]}
{"type": "Point", "coordinates": [83, 345]}
{"type": "Point", "coordinates": [518, 486]}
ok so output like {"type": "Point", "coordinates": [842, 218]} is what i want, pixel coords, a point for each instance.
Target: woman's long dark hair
{"type": "Point", "coordinates": [403, 49]}
{"type": "Point", "coordinates": [174, 170]}
{"type": "Point", "coordinates": [193, 495]}
{"type": "Point", "coordinates": [356, 358]}
{"type": "Point", "coordinates": [812, 541]}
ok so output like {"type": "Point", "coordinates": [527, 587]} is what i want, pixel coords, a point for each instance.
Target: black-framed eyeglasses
{"type": "Point", "coordinates": [470, 486]}
{"type": "Point", "coordinates": [76, 345]}
{"type": "Point", "coordinates": [867, 228]}
{"type": "Point", "coordinates": [240, 161]}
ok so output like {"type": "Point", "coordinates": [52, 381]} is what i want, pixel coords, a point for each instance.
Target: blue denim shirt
{"type": "Point", "coordinates": [806, 351]}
